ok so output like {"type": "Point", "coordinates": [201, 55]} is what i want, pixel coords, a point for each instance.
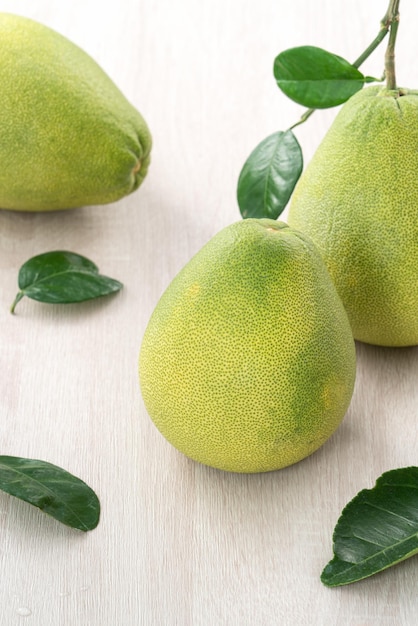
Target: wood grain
{"type": "Point", "coordinates": [179, 543]}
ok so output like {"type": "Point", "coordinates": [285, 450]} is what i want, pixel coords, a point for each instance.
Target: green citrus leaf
{"type": "Point", "coordinates": [53, 490]}
{"type": "Point", "coordinates": [62, 277]}
{"type": "Point", "coordinates": [377, 529]}
{"type": "Point", "coordinates": [316, 78]}
{"type": "Point", "coordinates": [269, 176]}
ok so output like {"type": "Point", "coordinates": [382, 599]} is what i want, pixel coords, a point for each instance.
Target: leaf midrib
{"type": "Point", "coordinates": [269, 171]}
{"type": "Point", "coordinates": [68, 271]}
{"type": "Point", "coordinates": [376, 554]}
{"type": "Point", "coordinates": [47, 489]}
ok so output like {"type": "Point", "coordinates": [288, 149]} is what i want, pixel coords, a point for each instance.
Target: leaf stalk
{"type": "Point", "coordinates": [18, 298]}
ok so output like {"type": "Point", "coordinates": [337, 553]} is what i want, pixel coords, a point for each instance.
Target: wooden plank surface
{"type": "Point", "coordinates": [179, 543]}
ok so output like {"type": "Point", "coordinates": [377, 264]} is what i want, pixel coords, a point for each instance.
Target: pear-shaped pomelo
{"type": "Point", "coordinates": [358, 201]}
{"type": "Point", "coordinates": [68, 137]}
{"type": "Point", "coordinates": [248, 363]}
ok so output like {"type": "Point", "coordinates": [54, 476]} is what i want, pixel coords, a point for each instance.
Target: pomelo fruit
{"type": "Point", "coordinates": [358, 201]}
{"type": "Point", "coordinates": [68, 135]}
{"type": "Point", "coordinates": [248, 362]}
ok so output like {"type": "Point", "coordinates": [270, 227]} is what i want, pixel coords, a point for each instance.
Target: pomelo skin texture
{"type": "Point", "coordinates": [68, 137]}
{"type": "Point", "coordinates": [358, 201]}
{"type": "Point", "coordinates": [248, 362]}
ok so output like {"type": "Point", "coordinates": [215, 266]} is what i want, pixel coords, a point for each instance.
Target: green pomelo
{"type": "Point", "coordinates": [358, 201]}
{"type": "Point", "coordinates": [68, 136]}
{"type": "Point", "coordinates": [248, 362]}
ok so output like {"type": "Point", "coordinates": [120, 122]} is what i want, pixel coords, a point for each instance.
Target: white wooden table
{"type": "Point", "coordinates": [179, 543]}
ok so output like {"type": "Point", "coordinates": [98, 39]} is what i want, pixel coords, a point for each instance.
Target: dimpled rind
{"type": "Point", "coordinates": [69, 137]}
{"type": "Point", "coordinates": [358, 201]}
{"type": "Point", "coordinates": [248, 361]}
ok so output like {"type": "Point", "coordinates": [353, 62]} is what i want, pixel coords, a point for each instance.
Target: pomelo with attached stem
{"type": "Point", "coordinates": [358, 201]}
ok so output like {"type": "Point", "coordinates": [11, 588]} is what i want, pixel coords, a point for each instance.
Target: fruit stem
{"type": "Point", "coordinates": [372, 47]}
{"type": "Point", "coordinates": [391, 22]}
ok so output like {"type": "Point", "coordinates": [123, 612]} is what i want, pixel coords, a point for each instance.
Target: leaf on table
{"type": "Point", "coordinates": [269, 176]}
{"type": "Point", "coordinates": [62, 277]}
{"type": "Point", "coordinates": [316, 78]}
{"type": "Point", "coordinates": [52, 489]}
{"type": "Point", "coordinates": [377, 529]}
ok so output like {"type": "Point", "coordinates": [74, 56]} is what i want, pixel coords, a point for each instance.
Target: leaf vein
{"type": "Point", "coordinates": [45, 488]}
